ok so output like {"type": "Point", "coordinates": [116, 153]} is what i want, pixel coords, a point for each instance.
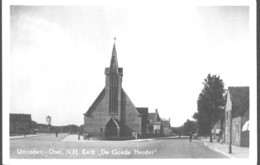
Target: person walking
{"type": "Point", "coordinates": [190, 136]}
{"type": "Point", "coordinates": [221, 137]}
{"type": "Point", "coordinates": [56, 133]}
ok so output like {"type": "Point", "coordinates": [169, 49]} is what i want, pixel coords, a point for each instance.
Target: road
{"type": "Point", "coordinates": [48, 146]}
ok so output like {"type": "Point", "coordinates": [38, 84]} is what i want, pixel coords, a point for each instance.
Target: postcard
{"type": "Point", "coordinates": [129, 82]}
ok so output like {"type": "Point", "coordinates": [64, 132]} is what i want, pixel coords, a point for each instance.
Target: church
{"type": "Point", "coordinates": [113, 114]}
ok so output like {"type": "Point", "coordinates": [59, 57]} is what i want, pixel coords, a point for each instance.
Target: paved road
{"type": "Point", "coordinates": [48, 146]}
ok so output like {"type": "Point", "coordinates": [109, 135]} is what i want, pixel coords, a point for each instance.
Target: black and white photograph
{"type": "Point", "coordinates": [167, 82]}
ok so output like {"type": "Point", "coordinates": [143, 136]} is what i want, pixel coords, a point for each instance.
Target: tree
{"type": "Point", "coordinates": [209, 102]}
{"type": "Point", "coordinates": [177, 130]}
{"type": "Point", "coordinates": [189, 126]}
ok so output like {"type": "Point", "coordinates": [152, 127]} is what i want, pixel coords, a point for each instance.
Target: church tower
{"type": "Point", "coordinates": [113, 114]}
{"type": "Point", "coordinates": [114, 76]}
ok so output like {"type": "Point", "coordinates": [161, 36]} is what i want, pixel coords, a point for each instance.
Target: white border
{"type": "Point", "coordinates": [6, 84]}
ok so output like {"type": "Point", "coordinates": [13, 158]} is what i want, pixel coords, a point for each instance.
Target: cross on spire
{"type": "Point", "coordinates": [114, 40]}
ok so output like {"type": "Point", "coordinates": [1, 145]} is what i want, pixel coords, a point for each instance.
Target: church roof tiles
{"type": "Point", "coordinates": [96, 102]}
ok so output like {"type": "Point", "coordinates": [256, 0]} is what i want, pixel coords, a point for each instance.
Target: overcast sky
{"type": "Point", "coordinates": [59, 53]}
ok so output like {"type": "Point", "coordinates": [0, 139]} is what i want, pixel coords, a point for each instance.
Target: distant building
{"type": "Point", "coordinates": [48, 120]}
{"type": "Point", "coordinates": [216, 130]}
{"type": "Point", "coordinates": [154, 123]}
{"type": "Point", "coordinates": [20, 124]}
{"type": "Point", "coordinates": [44, 128]}
{"type": "Point", "coordinates": [144, 112]}
{"type": "Point", "coordinates": [158, 126]}
{"type": "Point", "coordinates": [34, 127]}
{"type": "Point", "coordinates": [113, 114]}
{"type": "Point", "coordinates": [166, 126]}
{"type": "Point", "coordinates": [237, 108]}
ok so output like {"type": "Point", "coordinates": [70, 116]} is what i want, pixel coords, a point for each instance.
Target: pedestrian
{"type": "Point", "coordinates": [87, 135]}
{"type": "Point", "coordinates": [79, 136]}
{"type": "Point", "coordinates": [221, 137]}
{"type": "Point", "coordinates": [190, 136]}
{"type": "Point", "coordinates": [56, 133]}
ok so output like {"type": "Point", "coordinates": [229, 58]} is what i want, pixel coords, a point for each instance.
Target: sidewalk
{"type": "Point", "coordinates": [74, 138]}
{"type": "Point", "coordinates": [21, 136]}
{"type": "Point", "coordinates": [237, 152]}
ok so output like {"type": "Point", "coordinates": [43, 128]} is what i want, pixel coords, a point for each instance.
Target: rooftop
{"type": "Point", "coordinates": [240, 100]}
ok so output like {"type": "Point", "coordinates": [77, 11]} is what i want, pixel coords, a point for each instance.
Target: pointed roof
{"type": "Point", "coordinates": [95, 103]}
{"type": "Point", "coordinates": [143, 111]}
{"type": "Point", "coordinates": [113, 62]}
{"type": "Point", "coordinates": [114, 120]}
{"type": "Point", "coordinates": [154, 117]}
{"type": "Point", "coordinates": [240, 100]}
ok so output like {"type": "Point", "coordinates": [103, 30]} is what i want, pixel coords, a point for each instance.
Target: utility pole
{"type": "Point", "coordinates": [211, 128]}
{"type": "Point", "coordinates": [230, 132]}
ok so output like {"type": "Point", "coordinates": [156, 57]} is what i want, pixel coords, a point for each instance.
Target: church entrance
{"type": "Point", "coordinates": [112, 128]}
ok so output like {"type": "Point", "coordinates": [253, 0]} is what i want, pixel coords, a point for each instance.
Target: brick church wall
{"type": "Point", "coordinates": [95, 124]}
{"type": "Point", "coordinates": [132, 119]}
{"type": "Point", "coordinates": [98, 118]}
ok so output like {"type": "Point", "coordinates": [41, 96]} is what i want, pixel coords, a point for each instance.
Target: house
{"type": "Point", "coordinates": [216, 130]}
{"type": "Point", "coordinates": [237, 111]}
{"type": "Point", "coordinates": [20, 124]}
{"type": "Point", "coordinates": [166, 127]}
{"type": "Point", "coordinates": [144, 112]}
{"type": "Point", "coordinates": [154, 123]}
{"type": "Point", "coordinates": [113, 114]}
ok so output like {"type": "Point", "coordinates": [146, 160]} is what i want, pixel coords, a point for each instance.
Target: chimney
{"type": "Point", "coordinates": [156, 111]}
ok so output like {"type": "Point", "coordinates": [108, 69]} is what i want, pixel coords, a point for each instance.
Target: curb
{"type": "Point", "coordinates": [217, 150]}
{"type": "Point", "coordinates": [91, 141]}
{"type": "Point", "coordinates": [22, 137]}
{"type": "Point", "coordinates": [134, 140]}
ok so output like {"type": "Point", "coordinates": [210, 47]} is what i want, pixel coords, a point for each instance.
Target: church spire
{"type": "Point", "coordinates": [113, 62]}
{"type": "Point", "coordinates": [113, 83]}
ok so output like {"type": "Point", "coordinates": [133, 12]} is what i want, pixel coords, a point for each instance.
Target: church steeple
{"type": "Point", "coordinates": [113, 62]}
{"type": "Point", "coordinates": [114, 83]}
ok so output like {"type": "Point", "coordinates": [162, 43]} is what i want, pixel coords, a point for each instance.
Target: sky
{"type": "Point", "coordinates": [58, 55]}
